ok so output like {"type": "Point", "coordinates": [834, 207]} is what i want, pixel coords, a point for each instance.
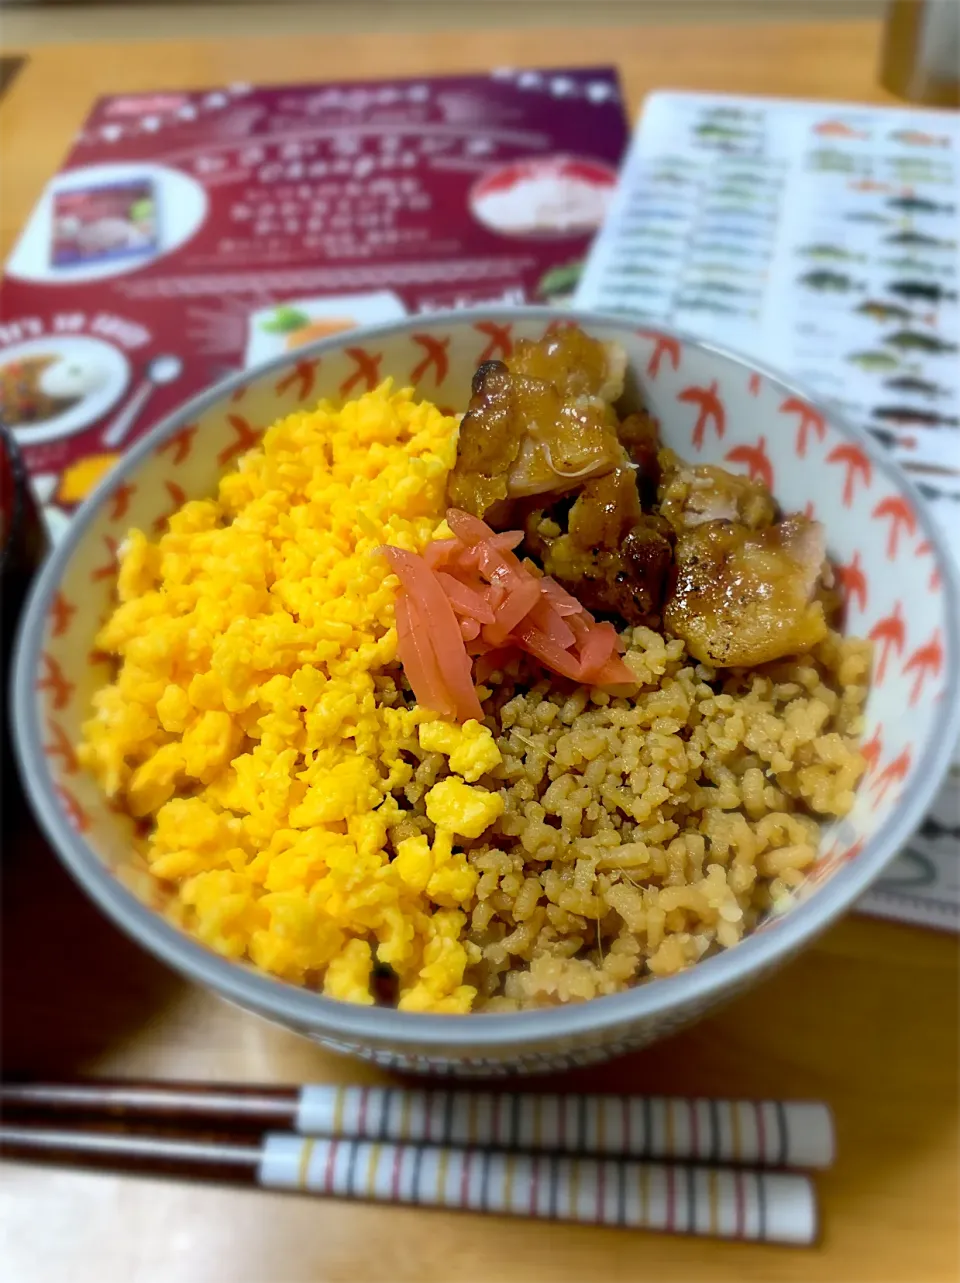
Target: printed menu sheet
{"type": "Point", "coordinates": [821, 239]}
{"type": "Point", "coordinates": [192, 234]}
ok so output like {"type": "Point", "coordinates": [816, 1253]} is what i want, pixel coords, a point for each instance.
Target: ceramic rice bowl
{"type": "Point", "coordinates": [712, 407]}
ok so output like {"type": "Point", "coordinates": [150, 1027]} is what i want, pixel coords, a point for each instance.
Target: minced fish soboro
{"type": "Point", "coordinates": [457, 715]}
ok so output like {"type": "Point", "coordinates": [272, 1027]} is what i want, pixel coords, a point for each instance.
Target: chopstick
{"type": "Point", "coordinates": [720, 1202]}
{"type": "Point", "coordinates": [759, 1133]}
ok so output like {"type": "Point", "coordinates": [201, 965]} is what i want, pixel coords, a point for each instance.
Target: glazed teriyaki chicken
{"type": "Point", "coordinates": [634, 532]}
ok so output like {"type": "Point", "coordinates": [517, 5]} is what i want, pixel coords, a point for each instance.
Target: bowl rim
{"type": "Point", "coordinates": [505, 1032]}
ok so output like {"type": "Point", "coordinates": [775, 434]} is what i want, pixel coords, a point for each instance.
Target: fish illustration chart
{"type": "Point", "coordinates": [822, 240]}
{"type": "Point", "coordinates": [819, 238]}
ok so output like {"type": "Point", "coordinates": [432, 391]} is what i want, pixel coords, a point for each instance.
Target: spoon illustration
{"type": "Point", "coordinates": [162, 369]}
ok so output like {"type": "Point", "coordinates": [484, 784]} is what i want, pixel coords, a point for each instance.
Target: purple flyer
{"type": "Point", "coordinates": [192, 234]}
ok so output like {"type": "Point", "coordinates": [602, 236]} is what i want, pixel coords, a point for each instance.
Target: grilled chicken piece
{"type": "Point", "coordinates": [543, 428]}
{"type": "Point", "coordinates": [747, 596]}
{"type": "Point", "coordinates": [488, 442]}
{"type": "Point", "coordinates": [692, 494]}
{"type": "Point", "coordinates": [640, 436]}
{"type": "Point", "coordinates": [542, 425]}
{"type": "Point", "coordinates": [605, 510]}
{"type": "Point", "coordinates": [577, 365]}
{"type": "Point", "coordinates": [612, 557]}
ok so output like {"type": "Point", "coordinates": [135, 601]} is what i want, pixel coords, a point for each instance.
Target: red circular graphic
{"type": "Point", "coordinates": [544, 197]}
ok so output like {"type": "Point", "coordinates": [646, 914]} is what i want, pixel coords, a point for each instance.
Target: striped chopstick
{"type": "Point", "coordinates": [761, 1133]}
{"type": "Point", "coordinates": [775, 1207]}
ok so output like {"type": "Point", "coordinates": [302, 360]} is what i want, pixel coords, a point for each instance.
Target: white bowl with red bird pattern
{"type": "Point", "coordinates": [712, 407]}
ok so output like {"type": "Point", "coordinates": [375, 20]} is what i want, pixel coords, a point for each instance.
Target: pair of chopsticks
{"type": "Point", "coordinates": [726, 1168]}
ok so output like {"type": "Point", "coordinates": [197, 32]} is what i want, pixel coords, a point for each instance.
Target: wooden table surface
{"type": "Point", "coordinates": [867, 1018]}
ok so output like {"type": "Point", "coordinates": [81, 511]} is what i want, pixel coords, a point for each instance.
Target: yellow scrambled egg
{"type": "Point", "coordinates": [245, 720]}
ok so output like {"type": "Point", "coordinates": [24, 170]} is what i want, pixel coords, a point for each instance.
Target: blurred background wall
{"type": "Point", "coordinates": [33, 21]}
